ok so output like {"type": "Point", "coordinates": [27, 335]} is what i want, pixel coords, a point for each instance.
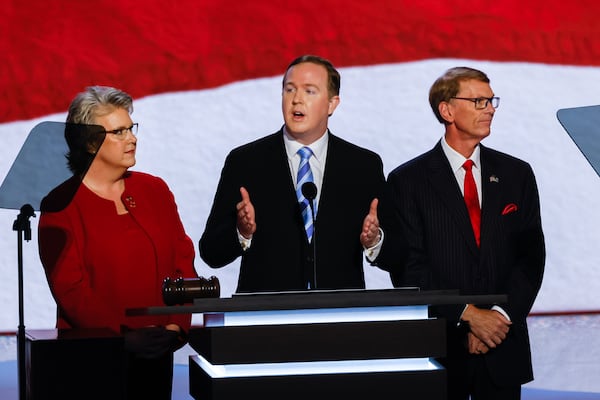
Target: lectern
{"type": "Point", "coordinates": [74, 364]}
{"type": "Point", "coordinates": [350, 344]}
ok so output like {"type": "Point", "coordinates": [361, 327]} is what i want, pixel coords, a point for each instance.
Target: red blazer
{"type": "Point", "coordinates": [95, 273]}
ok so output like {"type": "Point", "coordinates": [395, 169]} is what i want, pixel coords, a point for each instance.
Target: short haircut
{"type": "Point", "coordinates": [333, 76]}
{"type": "Point", "coordinates": [447, 86]}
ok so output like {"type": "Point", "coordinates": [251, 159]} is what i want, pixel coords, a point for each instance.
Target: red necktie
{"type": "Point", "coordinates": [472, 199]}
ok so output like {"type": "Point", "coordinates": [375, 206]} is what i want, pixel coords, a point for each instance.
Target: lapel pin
{"type": "Point", "coordinates": [494, 178]}
{"type": "Point", "coordinates": [131, 201]}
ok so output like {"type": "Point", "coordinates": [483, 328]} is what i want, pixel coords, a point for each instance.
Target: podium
{"type": "Point", "coordinates": [74, 364]}
{"type": "Point", "coordinates": [351, 344]}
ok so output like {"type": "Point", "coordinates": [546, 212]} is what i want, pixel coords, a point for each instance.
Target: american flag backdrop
{"type": "Point", "coordinates": [206, 77]}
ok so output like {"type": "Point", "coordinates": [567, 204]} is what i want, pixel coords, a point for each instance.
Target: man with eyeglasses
{"type": "Point", "coordinates": [471, 218]}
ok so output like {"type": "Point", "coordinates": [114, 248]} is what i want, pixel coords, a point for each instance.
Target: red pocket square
{"type": "Point", "coordinates": [509, 208]}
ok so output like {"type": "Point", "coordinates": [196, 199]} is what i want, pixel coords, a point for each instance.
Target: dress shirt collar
{"type": "Point", "coordinates": [318, 147]}
{"type": "Point", "coordinates": [456, 159]}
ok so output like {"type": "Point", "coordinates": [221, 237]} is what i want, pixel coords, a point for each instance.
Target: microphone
{"type": "Point", "coordinates": [309, 191]}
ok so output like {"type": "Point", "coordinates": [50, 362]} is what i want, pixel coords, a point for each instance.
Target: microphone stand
{"type": "Point", "coordinates": [23, 228]}
{"type": "Point", "coordinates": [314, 240]}
{"type": "Point", "coordinates": [309, 191]}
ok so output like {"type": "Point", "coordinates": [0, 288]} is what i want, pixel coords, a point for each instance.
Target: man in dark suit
{"type": "Point", "coordinates": [495, 245]}
{"type": "Point", "coordinates": [259, 207]}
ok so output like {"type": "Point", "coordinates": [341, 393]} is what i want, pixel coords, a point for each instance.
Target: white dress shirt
{"type": "Point", "coordinates": [456, 163]}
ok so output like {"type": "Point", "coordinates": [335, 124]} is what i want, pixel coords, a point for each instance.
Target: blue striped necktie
{"type": "Point", "coordinates": [305, 175]}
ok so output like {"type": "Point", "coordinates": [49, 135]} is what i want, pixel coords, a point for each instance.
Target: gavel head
{"type": "Point", "coordinates": [182, 291]}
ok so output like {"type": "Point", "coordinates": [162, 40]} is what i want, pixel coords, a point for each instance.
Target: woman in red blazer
{"type": "Point", "coordinates": [108, 238]}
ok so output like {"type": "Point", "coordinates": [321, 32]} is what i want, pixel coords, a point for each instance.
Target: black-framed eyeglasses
{"type": "Point", "coordinates": [122, 132]}
{"type": "Point", "coordinates": [481, 102]}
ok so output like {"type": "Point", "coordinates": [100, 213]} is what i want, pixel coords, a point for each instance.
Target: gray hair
{"type": "Point", "coordinates": [82, 137]}
{"type": "Point", "coordinates": [96, 101]}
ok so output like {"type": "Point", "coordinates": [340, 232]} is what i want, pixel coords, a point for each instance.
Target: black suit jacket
{"type": "Point", "coordinates": [280, 257]}
{"type": "Point", "coordinates": [442, 253]}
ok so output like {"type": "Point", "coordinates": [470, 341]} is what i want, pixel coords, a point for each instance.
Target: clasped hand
{"type": "Point", "coordinates": [488, 329]}
{"type": "Point", "coordinates": [152, 342]}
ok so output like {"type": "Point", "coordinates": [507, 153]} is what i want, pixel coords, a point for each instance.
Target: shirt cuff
{"type": "Point", "coordinates": [501, 311]}
{"type": "Point", "coordinates": [460, 320]}
{"type": "Point", "coordinates": [373, 252]}
{"type": "Point", "coordinates": [495, 308]}
{"type": "Point", "coordinates": [244, 243]}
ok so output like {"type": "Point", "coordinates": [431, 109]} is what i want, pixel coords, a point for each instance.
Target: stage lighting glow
{"type": "Point", "coordinates": [316, 367]}
{"type": "Point", "coordinates": [316, 316]}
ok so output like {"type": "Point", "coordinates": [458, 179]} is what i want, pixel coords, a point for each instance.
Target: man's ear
{"type": "Point", "coordinates": [333, 103]}
{"type": "Point", "coordinates": [446, 111]}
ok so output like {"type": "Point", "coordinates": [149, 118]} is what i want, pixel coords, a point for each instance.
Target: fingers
{"type": "Point", "coordinates": [472, 343]}
{"type": "Point", "coordinates": [370, 231]}
{"type": "Point", "coordinates": [245, 195]}
{"type": "Point", "coordinates": [245, 215]}
{"type": "Point", "coordinates": [497, 336]}
{"type": "Point", "coordinates": [373, 208]}
{"type": "Point", "coordinates": [371, 223]}
{"type": "Point", "coordinates": [498, 329]}
{"type": "Point", "coordinates": [173, 327]}
{"type": "Point", "coordinates": [489, 326]}
{"type": "Point", "coordinates": [476, 346]}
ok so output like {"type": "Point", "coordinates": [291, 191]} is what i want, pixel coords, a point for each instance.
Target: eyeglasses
{"type": "Point", "coordinates": [481, 102]}
{"type": "Point", "coordinates": [122, 132]}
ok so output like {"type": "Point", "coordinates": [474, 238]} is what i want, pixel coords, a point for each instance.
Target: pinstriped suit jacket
{"type": "Point", "coordinates": [442, 253]}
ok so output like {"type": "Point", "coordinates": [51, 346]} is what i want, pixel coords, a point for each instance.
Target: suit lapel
{"type": "Point", "coordinates": [280, 176]}
{"type": "Point", "coordinates": [334, 188]}
{"type": "Point", "coordinates": [490, 189]}
{"type": "Point", "coordinates": [444, 184]}
{"type": "Point", "coordinates": [331, 166]}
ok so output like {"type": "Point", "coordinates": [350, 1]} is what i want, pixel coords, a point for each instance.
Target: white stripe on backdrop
{"type": "Point", "coordinates": [184, 138]}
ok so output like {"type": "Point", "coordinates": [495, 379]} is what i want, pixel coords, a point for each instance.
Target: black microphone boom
{"type": "Point", "coordinates": [309, 191]}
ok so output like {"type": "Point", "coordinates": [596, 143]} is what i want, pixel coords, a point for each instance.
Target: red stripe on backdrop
{"type": "Point", "coordinates": [53, 49]}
